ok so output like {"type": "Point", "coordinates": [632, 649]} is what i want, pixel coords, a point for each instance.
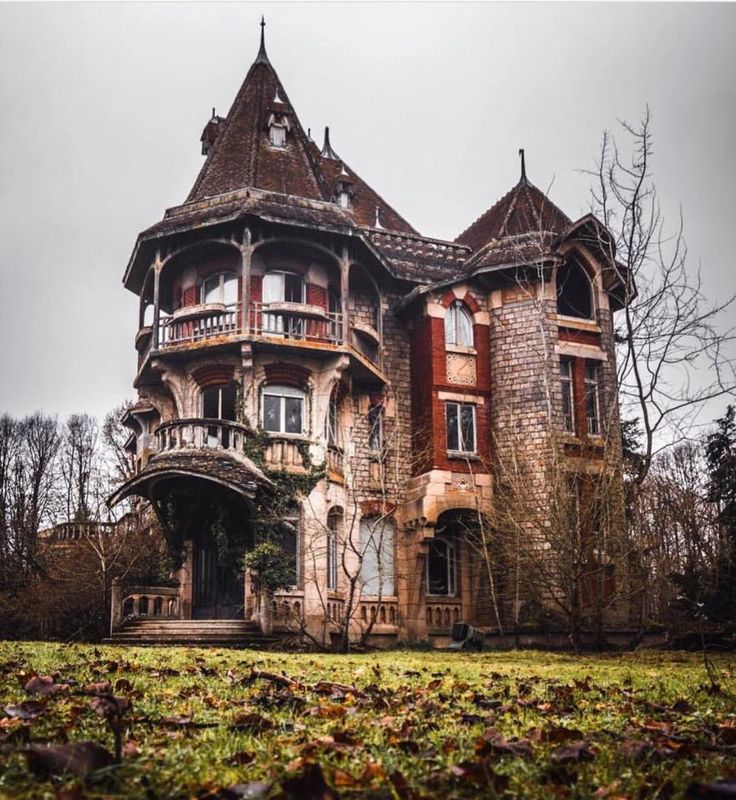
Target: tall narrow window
{"type": "Point", "coordinates": [377, 548]}
{"type": "Point", "coordinates": [334, 532]}
{"type": "Point", "coordinates": [375, 428]}
{"type": "Point", "coordinates": [568, 405]}
{"type": "Point", "coordinates": [442, 566]}
{"type": "Point", "coordinates": [332, 429]}
{"type": "Point", "coordinates": [592, 411]}
{"type": "Point", "coordinates": [287, 537]}
{"type": "Point", "coordinates": [283, 287]}
{"type": "Point", "coordinates": [460, 419]}
{"type": "Point", "coordinates": [458, 326]}
{"type": "Point", "coordinates": [218, 402]}
{"type": "Point", "coordinates": [283, 409]}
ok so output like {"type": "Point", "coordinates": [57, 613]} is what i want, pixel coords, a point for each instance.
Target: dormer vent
{"type": "Point", "coordinates": [210, 132]}
{"type": "Point", "coordinates": [344, 190]}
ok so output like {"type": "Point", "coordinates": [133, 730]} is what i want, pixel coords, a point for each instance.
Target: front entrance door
{"type": "Point", "coordinates": [217, 588]}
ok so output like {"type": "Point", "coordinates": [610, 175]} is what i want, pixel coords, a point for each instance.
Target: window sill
{"type": "Point", "coordinates": [458, 454]}
{"type": "Point", "coordinates": [460, 348]}
{"type": "Point", "coordinates": [443, 598]}
{"type": "Point", "coordinates": [578, 323]}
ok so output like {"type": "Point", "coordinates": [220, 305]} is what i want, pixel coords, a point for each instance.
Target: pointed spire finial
{"type": "Point", "coordinates": [523, 180]}
{"type": "Point", "coordinates": [327, 151]}
{"type": "Point", "coordinates": [262, 58]}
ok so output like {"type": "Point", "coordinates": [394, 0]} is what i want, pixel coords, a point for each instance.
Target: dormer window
{"type": "Point", "coordinates": [344, 190]}
{"type": "Point", "coordinates": [278, 128]}
{"type": "Point", "coordinates": [277, 135]}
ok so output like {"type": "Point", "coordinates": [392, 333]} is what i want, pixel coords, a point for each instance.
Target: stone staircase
{"type": "Point", "coordinates": [193, 632]}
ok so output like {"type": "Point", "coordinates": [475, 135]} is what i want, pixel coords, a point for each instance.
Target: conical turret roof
{"type": "Point", "coordinates": [525, 209]}
{"type": "Point", "coordinates": [242, 155]}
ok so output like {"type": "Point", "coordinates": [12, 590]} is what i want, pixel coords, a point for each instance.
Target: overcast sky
{"type": "Point", "coordinates": [102, 106]}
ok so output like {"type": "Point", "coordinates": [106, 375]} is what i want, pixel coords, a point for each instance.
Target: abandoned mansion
{"type": "Point", "coordinates": [410, 425]}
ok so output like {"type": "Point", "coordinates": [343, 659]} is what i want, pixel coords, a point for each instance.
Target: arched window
{"type": "Point", "coordinates": [148, 315]}
{"type": "Point", "coordinates": [442, 566]}
{"type": "Point", "coordinates": [377, 547]}
{"type": "Point", "coordinates": [574, 290]}
{"type": "Point", "coordinates": [282, 409]}
{"type": "Point", "coordinates": [458, 325]}
{"type": "Point", "coordinates": [334, 533]}
{"type": "Point", "coordinates": [222, 287]}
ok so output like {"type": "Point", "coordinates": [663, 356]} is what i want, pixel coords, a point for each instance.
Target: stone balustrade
{"type": "Point", "coordinates": [380, 612]}
{"type": "Point", "coordinates": [143, 601]}
{"type": "Point", "coordinates": [441, 614]}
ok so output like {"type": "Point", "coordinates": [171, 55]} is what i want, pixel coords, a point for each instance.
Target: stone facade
{"type": "Point", "coordinates": [404, 379]}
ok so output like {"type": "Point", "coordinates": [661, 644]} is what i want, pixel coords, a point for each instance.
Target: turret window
{"type": "Point", "coordinates": [592, 410]}
{"type": "Point", "coordinates": [574, 290]}
{"type": "Point", "coordinates": [458, 326]}
{"type": "Point", "coordinates": [460, 418]}
{"type": "Point", "coordinates": [283, 409]}
{"type": "Point", "coordinates": [568, 405]}
{"type": "Point", "coordinates": [220, 288]}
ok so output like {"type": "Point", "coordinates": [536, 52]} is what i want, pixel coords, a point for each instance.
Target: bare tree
{"type": "Point", "coordinates": [673, 354]}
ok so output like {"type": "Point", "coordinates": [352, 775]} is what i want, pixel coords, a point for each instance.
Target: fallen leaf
{"type": "Point", "coordinates": [572, 753]}
{"type": "Point", "coordinates": [77, 758]}
{"type": "Point", "coordinates": [28, 709]}
{"type": "Point", "coordinates": [719, 790]}
{"type": "Point", "coordinates": [45, 685]}
{"type": "Point", "coordinates": [310, 784]}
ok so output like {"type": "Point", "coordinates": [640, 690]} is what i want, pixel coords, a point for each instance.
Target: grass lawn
{"type": "Point", "coordinates": [407, 725]}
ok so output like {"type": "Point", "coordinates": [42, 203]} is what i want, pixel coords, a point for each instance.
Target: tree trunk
{"type": "Point", "coordinates": [266, 612]}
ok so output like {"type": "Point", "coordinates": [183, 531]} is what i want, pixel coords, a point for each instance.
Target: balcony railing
{"type": "Point", "coordinates": [298, 322]}
{"type": "Point", "coordinates": [196, 323]}
{"type": "Point", "coordinates": [281, 452]}
{"type": "Point", "coordinates": [218, 434]}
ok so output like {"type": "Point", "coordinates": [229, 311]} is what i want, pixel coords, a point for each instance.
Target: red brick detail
{"type": "Point", "coordinates": [482, 341]}
{"type": "Point", "coordinates": [316, 295]}
{"type": "Point", "coordinates": [578, 389]}
{"type": "Point", "coordinates": [376, 508]}
{"type": "Point", "coordinates": [579, 337]}
{"type": "Point", "coordinates": [256, 288]}
{"type": "Point", "coordinates": [471, 303]}
{"type": "Point", "coordinates": [190, 296]}
{"type": "Point", "coordinates": [213, 375]}
{"type": "Point", "coordinates": [448, 298]}
{"type": "Point", "coordinates": [287, 375]}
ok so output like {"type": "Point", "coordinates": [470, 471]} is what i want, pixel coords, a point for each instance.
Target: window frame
{"type": "Point", "coordinates": [567, 390]}
{"type": "Point", "coordinates": [272, 128]}
{"type": "Point", "coordinates": [283, 392]}
{"type": "Point", "coordinates": [451, 564]}
{"type": "Point", "coordinates": [385, 561]}
{"type": "Point", "coordinates": [574, 266]}
{"type": "Point", "coordinates": [334, 532]}
{"type": "Point", "coordinates": [456, 311]}
{"type": "Point", "coordinates": [222, 277]}
{"type": "Point", "coordinates": [591, 383]}
{"type": "Point", "coordinates": [459, 404]}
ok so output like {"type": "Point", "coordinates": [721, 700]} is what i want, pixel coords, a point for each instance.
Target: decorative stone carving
{"type": "Point", "coordinates": [461, 369]}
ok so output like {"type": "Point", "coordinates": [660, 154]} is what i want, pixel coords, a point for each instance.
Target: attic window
{"type": "Point", "coordinates": [344, 190]}
{"type": "Point", "coordinates": [277, 135]}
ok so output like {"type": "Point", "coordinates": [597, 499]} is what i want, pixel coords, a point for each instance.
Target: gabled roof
{"type": "Point", "coordinates": [525, 209]}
